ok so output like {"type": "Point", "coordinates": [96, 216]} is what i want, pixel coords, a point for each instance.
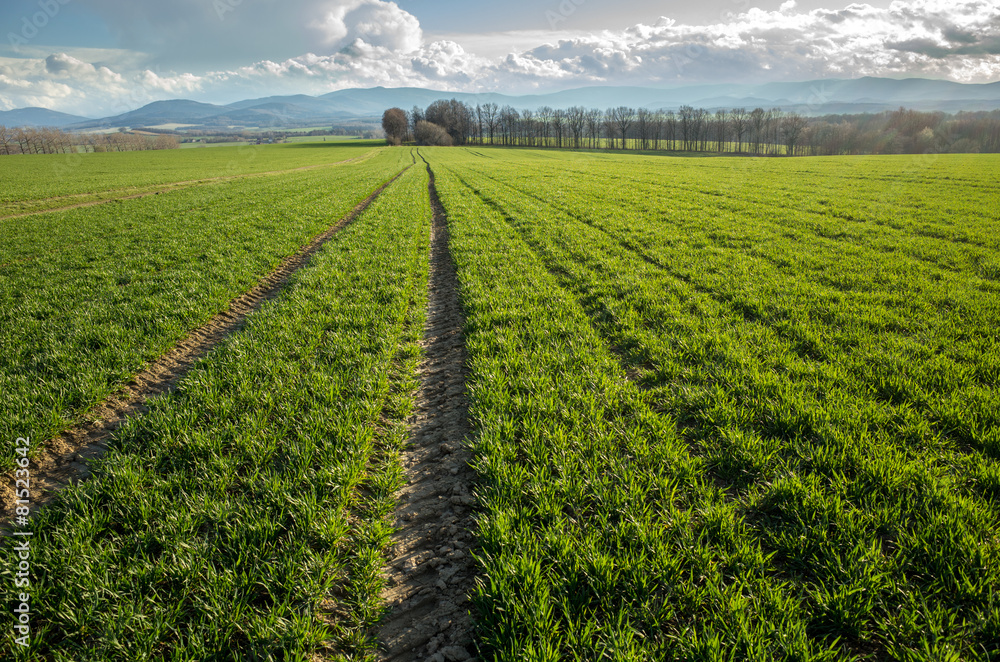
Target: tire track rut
{"type": "Point", "coordinates": [431, 568]}
{"type": "Point", "coordinates": [63, 460]}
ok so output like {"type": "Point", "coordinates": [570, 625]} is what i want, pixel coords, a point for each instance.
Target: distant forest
{"type": "Point", "coordinates": [738, 130]}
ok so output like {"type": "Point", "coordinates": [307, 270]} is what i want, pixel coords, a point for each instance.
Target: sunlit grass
{"type": "Point", "coordinates": [727, 420]}
{"type": "Point", "coordinates": [92, 294]}
{"type": "Point", "coordinates": [245, 515]}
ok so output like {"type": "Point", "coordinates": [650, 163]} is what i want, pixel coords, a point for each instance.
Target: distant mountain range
{"type": "Point", "coordinates": [820, 97]}
{"type": "Point", "coordinates": [38, 117]}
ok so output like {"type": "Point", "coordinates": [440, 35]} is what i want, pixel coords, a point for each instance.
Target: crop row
{"type": "Point", "coordinates": [832, 462]}
{"type": "Point", "coordinates": [600, 536]}
{"type": "Point", "coordinates": [92, 294]}
{"type": "Point", "coordinates": [917, 329]}
{"type": "Point", "coordinates": [244, 516]}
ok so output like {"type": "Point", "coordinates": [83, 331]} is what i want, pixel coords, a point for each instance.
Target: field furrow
{"type": "Point", "coordinates": [514, 404]}
{"type": "Point", "coordinates": [595, 515]}
{"type": "Point", "coordinates": [62, 460]}
{"type": "Point", "coordinates": [82, 323]}
{"type": "Point", "coordinates": [871, 503]}
{"type": "Point", "coordinates": [431, 569]}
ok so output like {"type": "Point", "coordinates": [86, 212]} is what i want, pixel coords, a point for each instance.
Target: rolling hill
{"type": "Point", "coordinates": [38, 117]}
{"type": "Point", "coordinates": [811, 98]}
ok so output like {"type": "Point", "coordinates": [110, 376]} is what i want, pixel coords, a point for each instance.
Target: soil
{"type": "Point", "coordinates": [64, 460]}
{"type": "Point", "coordinates": [431, 568]}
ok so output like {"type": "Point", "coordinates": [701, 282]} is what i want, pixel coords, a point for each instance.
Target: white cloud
{"type": "Point", "coordinates": [360, 43]}
{"type": "Point", "coordinates": [375, 23]}
{"type": "Point", "coordinates": [186, 33]}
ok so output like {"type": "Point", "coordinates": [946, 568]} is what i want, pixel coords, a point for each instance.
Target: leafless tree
{"type": "Point", "coordinates": [774, 117]}
{"type": "Point", "coordinates": [721, 129]}
{"type": "Point", "coordinates": [594, 127]}
{"type": "Point", "coordinates": [757, 122]}
{"type": "Point", "coordinates": [670, 127]}
{"type": "Point", "coordinates": [644, 126]}
{"type": "Point", "coordinates": [577, 120]}
{"type": "Point", "coordinates": [792, 127]}
{"type": "Point", "coordinates": [416, 117]}
{"type": "Point", "coordinates": [491, 114]}
{"type": "Point", "coordinates": [623, 117]}
{"type": "Point", "coordinates": [740, 123]}
{"type": "Point", "coordinates": [657, 129]}
{"type": "Point", "coordinates": [686, 125]}
{"type": "Point", "coordinates": [509, 117]}
{"type": "Point", "coordinates": [559, 125]}
{"type": "Point", "coordinates": [700, 129]}
{"type": "Point", "coordinates": [6, 137]}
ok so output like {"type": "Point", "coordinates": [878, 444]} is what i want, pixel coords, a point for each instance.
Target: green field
{"type": "Point", "coordinates": [726, 421]}
{"type": "Point", "coordinates": [93, 293]}
{"type": "Point", "coordinates": [54, 181]}
{"type": "Point", "coordinates": [723, 408]}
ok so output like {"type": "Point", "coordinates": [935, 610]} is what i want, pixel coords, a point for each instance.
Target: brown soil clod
{"type": "Point", "coordinates": [63, 460]}
{"type": "Point", "coordinates": [431, 568]}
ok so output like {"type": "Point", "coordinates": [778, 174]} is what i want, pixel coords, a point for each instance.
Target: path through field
{"type": "Point", "coordinates": [64, 459]}
{"type": "Point", "coordinates": [432, 570]}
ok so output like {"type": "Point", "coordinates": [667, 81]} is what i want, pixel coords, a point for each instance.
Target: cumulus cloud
{"type": "Point", "coordinates": [372, 22]}
{"type": "Point", "coordinates": [63, 82]}
{"type": "Point", "coordinates": [958, 40]}
{"type": "Point", "coordinates": [186, 33]}
{"type": "Point", "coordinates": [360, 43]}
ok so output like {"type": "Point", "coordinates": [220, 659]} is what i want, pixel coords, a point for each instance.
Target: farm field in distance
{"type": "Point", "coordinates": [63, 180]}
{"type": "Point", "coordinates": [722, 408]}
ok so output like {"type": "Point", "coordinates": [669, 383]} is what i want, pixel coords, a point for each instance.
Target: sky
{"type": "Point", "coordinates": [104, 57]}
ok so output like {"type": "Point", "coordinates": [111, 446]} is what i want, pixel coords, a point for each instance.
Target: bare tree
{"type": "Point", "coordinates": [608, 128]}
{"type": "Point", "coordinates": [23, 143]}
{"type": "Point", "coordinates": [416, 117]}
{"type": "Point", "coordinates": [721, 129]}
{"type": "Point", "coordinates": [622, 118]}
{"type": "Point", "coordinates": [670, 126]}
{"type": "Point", "coordinates": [644, 125]}
{"type": "Point", "coordinates": [700, 129]}
{"type": "Point", "coordinates": [774, 117]}
{"type": "Point", "coordinates": [686, 115]}
{"type": "Point", "coordinates": [509, 120]}
{"type": "Point", "coordinates": [740, 123]}
{"type": "Point", "coordinates": [454, 116]}
{"type": "Point", "coordinates": [657, 129]}
{"type": "Point", "coordinates": [544, 118]}
{"type": "Point", "coordinates": [559, 125]}
{"type": "Point", "coordinates": [491, 114]}
{"type": "Point", "coordinates": [757, 122]}
{"type": "Point", "coordinates": [792, 127]}
{"type": "Point", "coordinates": [594, 127]}
{"type": "Point", "coordinates": [6, 136]}
{"type": "Point", "coordinates": [577, 119]}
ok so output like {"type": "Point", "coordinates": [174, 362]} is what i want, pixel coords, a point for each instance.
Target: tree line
{"type": "Point", "coordinates": [738, 130]}
{"type": "Point", "coordinates": [27, 140]}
